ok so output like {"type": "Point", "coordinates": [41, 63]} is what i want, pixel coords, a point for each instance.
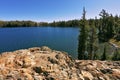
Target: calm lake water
{"type": "Point", "coordinates": [62, 39]}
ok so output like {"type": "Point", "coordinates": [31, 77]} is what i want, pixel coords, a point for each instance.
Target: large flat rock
{"type": "Point", "coordinates": [42, 63]}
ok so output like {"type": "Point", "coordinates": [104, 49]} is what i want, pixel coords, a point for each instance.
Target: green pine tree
{"type": "Point", "coordinates": [104, 55]}
{"type": "Point", "coordinates": [92, 39]}
{"type": "Point", "coordinates": [83, 37]}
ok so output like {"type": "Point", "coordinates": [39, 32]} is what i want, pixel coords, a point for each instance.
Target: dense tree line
{"type": "Point", "coordinates": [96, 31]}
{"type": "Point", "coordinates": [70, 23]}
{"type": "Point", "coordinates": [17, 23]}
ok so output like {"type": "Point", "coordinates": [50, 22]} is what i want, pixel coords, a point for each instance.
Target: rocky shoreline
{"type": "Point", "coordinates": [46, 64]}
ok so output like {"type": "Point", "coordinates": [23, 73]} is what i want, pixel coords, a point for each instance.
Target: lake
{"type": "Point", "coordinates": [62, 39]}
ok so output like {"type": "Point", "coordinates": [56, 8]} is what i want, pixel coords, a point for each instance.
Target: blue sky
{"type": "Point", "coordinates": [50, 10]}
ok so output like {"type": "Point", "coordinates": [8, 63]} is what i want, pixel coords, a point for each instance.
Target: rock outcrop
{"type": "Point", "coordinates": [46, 64]}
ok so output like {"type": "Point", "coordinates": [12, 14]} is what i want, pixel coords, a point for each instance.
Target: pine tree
{"type": "Point", "coordinates": [92, 44]}
{"type": "Point", "coordinates": [110, 27]}
{"type": "Point", "coordinates": [104, 55]}
{"type": "Point", "coordinates": [82, 37]}
{"type": "Point", "coordinates": [106, 27]}
{"type": "Point", "coordinates": [103, 26]}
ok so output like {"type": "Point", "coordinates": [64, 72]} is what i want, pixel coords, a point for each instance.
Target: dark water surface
{"type": "Point", "coordinates": [63, 39]}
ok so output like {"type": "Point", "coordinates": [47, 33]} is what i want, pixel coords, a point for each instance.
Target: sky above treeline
{"type": "Point", "coordinates": [54, 10]}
